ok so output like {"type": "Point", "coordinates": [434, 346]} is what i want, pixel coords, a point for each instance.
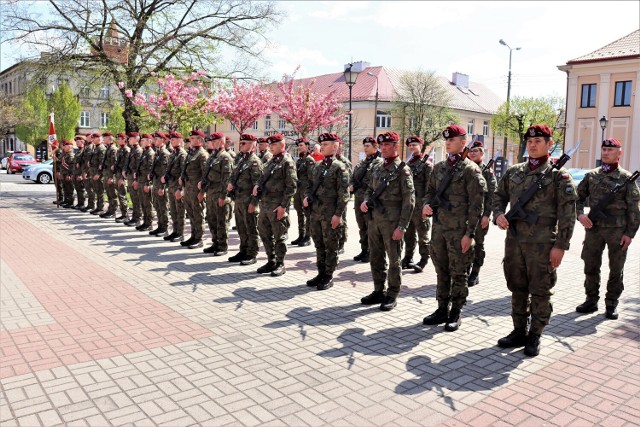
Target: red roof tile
{"type": "Point", "coordinates": [627, 46]}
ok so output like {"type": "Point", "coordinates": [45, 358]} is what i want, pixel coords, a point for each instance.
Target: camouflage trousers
{"type": "Point", "coordinates": [326, 241]}
{"type": "Point", "coordinates": [478, 249]}
{"type": "Point", "coordinates": [247, 225]}
{"type": "Point", "coordinates": [91, 194]}
{"type": "Point", "coordinates": [382, 245]}
{"type": "Point", "coordinates": [98, 188]}
{"type": "Point", "coordinates": [417, 232]}
{"type": "Point", "coordinates": [304, 226]}
{"type": "Point", "coordinates": [531, 279]}
{"type": "Point", "coordinates": [67, 189]}
{"type": "Point", "coordinates": [135, 200]}
{"type": "Point", "coordinates": [146, 203]}
{"type": "Point", "coordinates": [451, 266]}
{"type": "Point", "coordinates": [161, 206]}
{"type": "Point", "coordinates": [194, 209]}
{"type": "Point", "coordinates": [59, 183]}
{"type": "Point", "coordinates": [218, 221]}
{"type": "Point", "coordinates": [595, 240]}
{"type": "Point", "coordinates": [343, 229]}
{"type": "Point", "coordinates": [121, 193]}
{"type": "Point", "coordinates": [79, 186]}
{"type": "Point", "coordinates": [273, 232]}
{"type": "Point", "coordinates": [112, 194]}
{"type": "Point", "coordinates": [362, 219]}
{"type": "Point", "coordinates": [176, 210]}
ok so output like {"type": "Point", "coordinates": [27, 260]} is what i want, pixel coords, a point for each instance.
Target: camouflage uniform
{"type": "Point", "coordinates": [304, 170]}
{"type": "Point", "coordinates": [218, 176]}
{"type": "Point", "coordinates": [132, 164]}
{"type": "Point", "coordinates": [109, 173]}
{"type": "Point", "coordinates": [245, 176]}
{"type": "Point", "coordinates": [176, 207]}
{"type": "Point", "coordinates": [66, 171]}
{"type": "Point", "coordinates": [420, 171]}
{"type": "Point", "coordinates": [196, 166]}
{"type": "Point", "coordinates": [530, 277]}
{"type": "Point", "coordinates": [160, 203]}
{"type": "Point", "coordinates": [360, 180]}
{"type": "Point", "coordinates": [120, 168]}
{"type": "Point", "coordinates": [95, 164]}
{"type": "Point", "coordinates": [344, 228]}
{"type": "Point", "coordinates": [58, 154]}
{"type": "Point", "coordinates": [88, 178]}
{"type": "Point", "coordinates": [142, 177]}
{"type": "Point", "coordinates": [78, 180]}
{"type": "Point", "coordinates": [397, 202]}
{"type": "Point", "coordinates": [480, 234]}
{"type": "Point", "coordinates": [623, 219]}
{"type": "Point", "coordinates": [264, 156]}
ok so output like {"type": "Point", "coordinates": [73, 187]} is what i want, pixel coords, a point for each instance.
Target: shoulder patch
{"type": "Point", "coordinates": [407, 173]}
{"type": "Point", "coordinates": [565, 176]}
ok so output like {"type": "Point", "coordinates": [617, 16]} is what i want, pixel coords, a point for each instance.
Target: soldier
{"type": "Point", "coordinates": [170, 185]}
{"type": "Point", "coordinates": [67, 164]}
{"type": "Point", "coordinates": [160, 198]}
{"type": "Point", "coordinates": [245, 176]}
{"type": "Point", "coordinates": [615, 229]}
{"type": "Point", "coordinates": [229, 149]}
{"type": "Point", "coordinates": [119, 175]}
{"type": "Point", "coordinates": [86, 174]}
{"type": "Point", "coordinates": [476, 155]}
{"type": "Point", "coordinates": [213, 187]}
{"type": "Point", "coordinates": [263, 150]}
{"type": "Point", "coordinates": [78, 180]}
{"type": "Point", "coordinates": [327, 198]}
{"type": "Point", "coordinates": [129, 173]}
{"type": "Point", "coordinates": [359, 183]}
{"type": "Point", "coordinates": [456, 186]}
{"type": "Point", "coordinates": [343, 226]}
{"type": "Point", "coordinates": [304, 170]}
{"type": "Point", "coordinates": [390, 198]}
{"type": "Point", "coordinates": [316, 154]}
{"type": "Point", "coordinates": [274, 191]}
{"type": "Point", "coordinates": [108, 169]}
{"type": "Point", "coordinates": [95, 164]}
{"type": "Point", "coordinates": [533, 252]}
{"type": "Point", "coordinates": [194, 169]}
{"type": "Point", "coordinates": [421, 169]}
{"type": "Point", "coordinates": [142, 184]}
{"type": "Point", "coordinates": [58, 153]}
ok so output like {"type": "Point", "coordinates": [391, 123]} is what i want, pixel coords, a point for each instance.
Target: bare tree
{"type": "Point", "coordinates": [130, 41]}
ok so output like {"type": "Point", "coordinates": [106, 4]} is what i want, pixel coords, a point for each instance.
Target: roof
{"type": "Point", "coordinates": [479, 98]}
{"type": "Point", "coordinates": [625, 47]}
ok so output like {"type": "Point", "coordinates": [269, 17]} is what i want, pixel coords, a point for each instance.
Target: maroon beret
{"type": "Point", "coordinates": [328, 137]}
{"type": "Point", "coordinates": [146, 136]}
{"type": "Point", "coordinates": [477, 143]}
{"type": "Point", "coordinates": [302, 140]}
{"type": "Point", "coordinates": [175, 135]}
{"type": "Point", "coordinates": [611, 142]}
{"type": "Point", "coordinates": [388, 137]}
{"type": "Point", "coordinates": [95, 135]}
{"type": "Point", "coordinates": [215, 135]}
{"type": "Point", "coordinates": [414, 139]}
{"type": "Point", "coordinates": [107, 134]}
{"type": "Point", "coordinates": [262, 140]}
{"type": "Point", "coordinates": [278, 137]}
{"type": "Point", "coordinates": [453, 131]}
{"type": "Point", "coordinates": [133, 134]}
{"type": "Point", "coordinates": [160, 135]}
{"type": "Point", "coordinates": [227, 139]}
{"type": "Point", "coordinates": [196, 132]}
{"type": "Point", "coordinates": [122, 135]}
{"type": "Point", "coordinates": [538, 130]}
{"type": "Point", "coordinates": [248, 137]}
{"type": "Point", "coordinates": [369, 140]}
{"type": "Point", "coordinates": [79, 138]}
{"type": "Point", "coordinates": [66, 142]}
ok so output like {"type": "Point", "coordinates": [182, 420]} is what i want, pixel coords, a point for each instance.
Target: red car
{"type": "Point", "coordinates": [18, 160]}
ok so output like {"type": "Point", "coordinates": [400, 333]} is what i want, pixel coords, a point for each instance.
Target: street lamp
{"type": "Point", "coordinates": [603, 125]}
{"type": "Point", "coordinates": [350, 77]}
{"type": "Point", "coordinates": [502, 42]}
{"type": "Point", "coordinates": [375, 107]}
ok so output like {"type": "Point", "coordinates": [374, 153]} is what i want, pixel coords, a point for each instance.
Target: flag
{"type": "Point", "coordinates": [53, 139]}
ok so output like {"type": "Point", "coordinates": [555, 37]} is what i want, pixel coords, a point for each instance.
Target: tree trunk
{"type": "Point", "coordinates": [130, 115]}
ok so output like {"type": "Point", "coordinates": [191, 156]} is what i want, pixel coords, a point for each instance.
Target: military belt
{"type": "Point", "coordinates": [391, 203]}
{"type": "Point", "coordinates": [546, 221]}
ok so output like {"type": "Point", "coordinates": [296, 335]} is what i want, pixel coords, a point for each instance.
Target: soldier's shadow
{"type": "Point", "coordinates": [306, 316]}
{"type": "Point", "coordinates": [263, 295]}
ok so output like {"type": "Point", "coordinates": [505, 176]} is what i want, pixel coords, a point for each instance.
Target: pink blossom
{"type": "Point", "coordinates": [128, 93]}
{"type": "Point", "coordinates": [120, 85]}
{"type": "Point", "coordinates": [243, 104]}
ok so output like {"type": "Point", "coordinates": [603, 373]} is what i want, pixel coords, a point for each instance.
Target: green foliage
{"type": "Point", "coordinates": [34, 124]}
{"type": "Point", "coordinates": [66, 107]}
{"type": "Point", "coordinates": [116, 123]}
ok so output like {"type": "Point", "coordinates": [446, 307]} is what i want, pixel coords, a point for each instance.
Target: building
{"type": "Point", "coordinates": [601, 85]}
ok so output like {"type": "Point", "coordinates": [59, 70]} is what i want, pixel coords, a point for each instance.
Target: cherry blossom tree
{"type": "Point", "coordinates": [243, 104]}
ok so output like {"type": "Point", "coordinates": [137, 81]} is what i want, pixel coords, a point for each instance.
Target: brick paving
{"type": "Point", "coordinates": [103, 325]}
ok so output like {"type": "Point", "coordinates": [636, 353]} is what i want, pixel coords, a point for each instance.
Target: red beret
{"type": "Point", "coordinates": [175, 135]}
{"type": "Point", "coordinates": [413, 139]}
{"type": "Point", "coordinates": [122, 135]}
{"type": "Point", "coordinates": [278, 137]}
{"type": "Point", "coordinates": [369, 140]}
{"type": "Point", "coordinates": [248, 137]}
{"type": "Point", "coordinates": [453, 131]}
{"type": "Point", "coordinates": [262, 140]}
{"type": "Point", "coordinates": [107, 134]}
{"type": "Point", "coordinates": [66, 142]}
{"type": "Point", "coordinates": [538, 130]}
{"type": "Point", "coordinates": [227, 139]}
{"type": "Point", "coordinates": [79, 138]}
{"type": "Point", "coordinates": [328, 137]}
{"type": "Point", "coordinates": [388, 137]}
{"type": "Point", "coordinates": [196, 133]}
{"type": "Point", "coordinates": [95, 135]}
{"type": "Point", "coordinates": [160, 135]}
{"type": "Point", "coordinates": [215, 135]}
{"type": "Point", "coordinates": [302, 140]}
{"type": "Point", "coordinates": [146, 135]}
{"type": "Point", "coordinates": [611, 142]}
{"type": "Point", "coordinates": [477, 143]}
{"type": "Point", "coordinates": [133, 134]}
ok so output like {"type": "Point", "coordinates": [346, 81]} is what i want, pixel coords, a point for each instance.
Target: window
{"type": "Point", "coordinates": [267, 122]}
{"type": "Point", "coordinates": [104, 92]}
{"type": "Point", "coordinates": [85, 91]}
{"type": "Point", "coordinates": [470, 127]}
{"type": "Point", "coordinates": [383, 119]}
{"type": "Point", "coordinates": [255, 125]}
{"type": "Point", "coordinates": [233, 126]}
{"type": "Point", "coordinates": [588, 96]}
{"type": "Point", "coordinates": [623, 94]}
{"type": "Point", "coordinates": [281, 124]}
{"type": "Point", "coordinates": [84, 119]}
{"type": "Point", "coordinates": [412, 123]}
{"type": "Point", "coordinates": [485, 128]}
{"type": "Point", "coordinates": [104, 119]}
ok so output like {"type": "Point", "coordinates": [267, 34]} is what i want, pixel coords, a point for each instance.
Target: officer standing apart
{"type": "Point", "coordinates": [391, 199]}
{"type": "Point", "coordinates": [160, 203]}
{"type": "Point", "coordinates": [420, 171]}
{"type": "Point", "coordinates": [359, 183]}
{"type": "Point", "coordinates": [66, 173]}
{"type": "Point", "coordinates": [95, 168]}
{"type": "Point", "coordinates": [143, 183]}
{"type": "Point", "coordinates": [274, 191]}
{"type": "Point", "coordinates": [170, 185]}
{"type": "Point", "coordinates": [615, 229]}
{"type": "Point", "coordinates": [58, 153]}
{"type": "Point", "coordinates": [327, 199]}
{"type": "Point", "coordinates": [109, 175]}
{"type": "Point", "coordinates": [213, 187]}
{"type": "Point", "coordinates": [195, 168]}
{"type": "Point", "coordinates": [264, 154]}
{"type": "Point", "coordinates": [304, 169]}
{"type": "Point", "coordinates": [245, 176]}
{"type": "Point", "coordinates": [455, 196]}
{"type": "Point", "coordinates": [119, 175]}
{"type": "Point", "coordinates": [476, 155]}
{"type": "Point", "coordinates": [534, 251]}
{"type": "Point", "coordinates": [78, 180]}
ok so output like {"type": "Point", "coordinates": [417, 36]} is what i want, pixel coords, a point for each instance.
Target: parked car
{"type": "Point", "coordinates": [5, 159]}
{"type": "Point", "coordinates": [42, 173]}
{"type": "Point", "coordinates": [18, 160]}
{"type": "Point", "coordinates": [577, 174]}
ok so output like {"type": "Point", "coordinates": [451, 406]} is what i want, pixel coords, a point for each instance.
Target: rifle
{"type": "Point", "coordinates": [597, 213]}
{"type": "Point", "coordinates": [491, 162]}
{"type": "Point", "coordinates": [439, 199]}
{"type": "Point", "coordinates": [312, 195]}
{"type": "Point", "coordinates": [183, 173]}
{"type": "Point", "coordinates": [104, 159]}
{"type": "Point", "coordinates": [372, 201]}
{"type": "Point", "coordinates": [517, 212]}
{"type": "Point", "coordinates": [234, 183]}
{"type": "Point", "coordinates": [167, 174]}
{"type": "Point", "coordinates": [152, 172]}
{"type": "Point", "coordinates": [362, 172]}
{"type": "Point", "coordinates": [204, 186]}
{"type": "Point", "coordinates": [262, 182]}
{"type": "Point", "coordinates": [137, 173]}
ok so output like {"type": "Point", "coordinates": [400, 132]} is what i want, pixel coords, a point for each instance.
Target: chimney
{"type": "Point", "coordinates": [460, 80]}
{"type": "Point", "coordinates": [358, 66]}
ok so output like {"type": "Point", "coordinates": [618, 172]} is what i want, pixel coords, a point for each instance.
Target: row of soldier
{"type": "Point", "coordinates": [394, 203]}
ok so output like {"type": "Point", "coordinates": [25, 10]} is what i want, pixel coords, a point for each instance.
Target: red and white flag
{"type": "Point", "coordinates": [53, 139]}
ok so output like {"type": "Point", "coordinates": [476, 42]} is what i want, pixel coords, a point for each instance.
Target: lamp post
{"type": "Point", "coordinates": [511, 49]}
{"type": "Point", "coordinates": [375, 106]}
{"type": "Point", "coordinates": [603, 125]}
{"type": "Point", "coordinates": [350, 77]}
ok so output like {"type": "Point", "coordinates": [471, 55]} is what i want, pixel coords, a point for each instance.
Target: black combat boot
{"type": "Point", "coordinates": [144, 227]}
{"type": "Point", "coordinates": [211, 249]}
{"type": "Point", "coordinates": [187, 242]}
{"type": "Point", "coordinates": [121, 219]}
{"type": "Point", "coordinates": [154, 232]}
{"type": "Point", "coordinates": [237, 257]}
{"type": "Point", "coordinates": [375, 297]}
{"type": "Point", "coordinates": [340, 249]}
{"type": "Point", "coordinates": [170, 236]}
{"type": "Point", "coordinates": [305, 242]}
{"type": "Point", "coordinates": [361, 255]}
{"type": "Point", "coordinates": [316, 280]}
{"type": "Point", "coordinates": [589, 306]}
{"type": "Point", "coordinates": [248, 260]}
{"type": "Point", "coordinates": [611, 312]}
{"type": "Point", "coordinates": [196, 244]}
{"type": "Point", "coordinates": [389, 303]}
{"type": "Point", "coordinates": [278, 269]}
{"type": "Point", "coordinates": [108, 215]}
{"type": "Point", "coordinates": [220, 252]}
{"type": "Point", "coordinates": [298, 240]}
{"type": "Point", "coordinates": [517, 338]}
{"type": "Point", "coordinates": [420, 265]}
{"type": "Point", "coordinates": [178, 238]}
{"type": "Point", "coordinates": [406, 263]}
{"type": "Point", "coordinates": [439, 316]}
{"type": "Point", "coordinates": [454, 320]}
{"type": "Point", "coordinates": [532, 347]}
{"type": "Point", "coordinates": [267, 268]}
{"type": "Point", "coordinates": [325, 283]}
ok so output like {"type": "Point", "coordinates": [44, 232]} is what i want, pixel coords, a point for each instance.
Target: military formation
{"type": "Point", "coordinates": [442, 210]}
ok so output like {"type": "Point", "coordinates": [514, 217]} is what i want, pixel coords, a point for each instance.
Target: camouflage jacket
{"type": "Point", "coordinates": [160, 163]}
{"type": "Point", "coordinates": [421, 171]}
{"type": "Point", "coordinates": [67, 164]}
{"type": "Point", "coordinates": [492, 183]}
{"type": "Point", "coordinates": [86, 158]}
{"type": "Point", "coordinates": [122, 157]}
{"type": "Point", "coordinates": [144, 166]}
{"type": "Point", "coordinates": [195, 167]}
{"type": "Point", "coordinates": [110, 159]}
{"type": "Point", "coordinates": [132, 161]}
{"type": "Point", "coordinates": [304, 171]}
{"type": "Point", "coordinates": [97, 157]}
{"type": "Point", "coordinates": [58, 154]}
{"type": "Point", "coordinates": [174, 168]}
{"type": "Point", "coordinates": [245, 176]}
{"type": "Point", "coordinates": [554, 203]}
{"type": "Point", "coordinates": [361, 176]}
{"type": "Point", "coordinates": [218, 175]}
{"type": "Point", "coordinates": [77, 163]}
{"type": "Point", "coordinates": [265, 156]}
{"type": "Point", "coordinates": [398, 199]}
{"type": "Point", "coordinates": [332, 194]}
{"type": "Point", "coordinates": [278, 182]}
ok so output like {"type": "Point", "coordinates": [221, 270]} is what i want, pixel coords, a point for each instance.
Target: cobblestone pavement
{"type": "Point", "coordinates": [104, 325]}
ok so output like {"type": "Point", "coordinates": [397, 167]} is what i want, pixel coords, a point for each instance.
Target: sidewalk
{"type": "Point", "coordinates": [103, 325]}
